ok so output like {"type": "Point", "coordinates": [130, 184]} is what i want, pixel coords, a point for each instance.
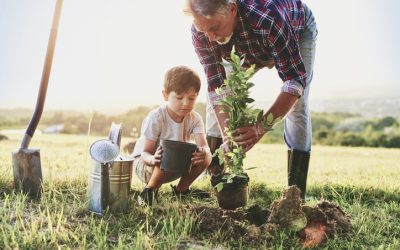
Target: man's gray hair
{"type": "Point", "coordinates": [207, 8]}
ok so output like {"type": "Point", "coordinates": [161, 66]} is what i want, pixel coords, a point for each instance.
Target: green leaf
{"type": "Point", "coordinates": [278, 120]}
{"type": "Point", "coordinates": [219, 186]}
{"type": "Point", "coordinates": [250, 84]}
{"type": "Point", "coordinates": [235, 58]}
{"type": "Point", "coordinates": [249, 72]}
{"type": "Point", "coordinates": [270, 118]}
{"type": "Point", "coordinates": [225, 102]}
{"type": "Point", "coordinates": [226, 64]}
{"type": "Point", "coordinates": [249, 100]}
{"type": "Point", "coordinates": [242, 61]}
{"type": "Point", "coordinates": [234, 78]}
{"type": "Point", "coordinates": [251, 168]}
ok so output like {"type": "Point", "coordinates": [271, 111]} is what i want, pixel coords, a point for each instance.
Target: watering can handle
{"type": "Point", "coordinates": [115, 134]}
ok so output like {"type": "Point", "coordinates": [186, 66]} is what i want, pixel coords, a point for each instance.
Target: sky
{"type": "Point", "coordinates": [111, 55]}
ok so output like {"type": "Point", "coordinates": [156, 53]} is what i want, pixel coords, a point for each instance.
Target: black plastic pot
{"type": "Point", "coordinates": [177, 156]}
{"type": "Point", "coordinates": [233, 195]}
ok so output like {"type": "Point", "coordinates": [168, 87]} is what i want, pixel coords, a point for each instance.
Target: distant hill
{"type": "Point", "coordinates": [26, 112]}
{"type": "Point", "coordinates": [367, 107]}
{"type": "Point", "coordinates": [15, 113]}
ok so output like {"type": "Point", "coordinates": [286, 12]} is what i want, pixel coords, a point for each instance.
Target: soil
{"type": "Point", "coordinates": [314, 225]}
{"type": "Point", "coordinates": [237, 181]}
{"type": "Point", "coordinates": [287, 211]}
{"type": "Point", "coordinates": [212, 220]}
{"type": "Point", "coordinates": [257, 215]}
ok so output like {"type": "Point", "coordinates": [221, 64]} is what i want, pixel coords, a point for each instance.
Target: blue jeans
{"type": "Point", "coordinates": [297, 124]}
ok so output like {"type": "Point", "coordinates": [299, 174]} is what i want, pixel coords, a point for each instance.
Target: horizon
{"type": "Point", "coordinates": [99, 60]}
{"type": "Point", "coordinates": [375, 107]}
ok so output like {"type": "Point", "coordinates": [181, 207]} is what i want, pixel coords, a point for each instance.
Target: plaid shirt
{"type": "Point", "coordinates": [267, 33]}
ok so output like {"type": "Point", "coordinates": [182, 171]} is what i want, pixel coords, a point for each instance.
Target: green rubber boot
{"type": "Point", "coordinates": [298, 162]}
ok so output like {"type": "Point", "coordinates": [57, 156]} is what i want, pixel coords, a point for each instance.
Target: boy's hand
{"type": "Point", "coordinates": [157, 156]}
{"type": "Point", "coordinates": [199, 157]}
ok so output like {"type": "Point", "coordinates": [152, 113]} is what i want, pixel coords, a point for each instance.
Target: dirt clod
{"type": "Point", "coordinates": [269, 228]}
{"type": "Point", "coordinates": [324, 220]}
{"type": "Point", "coordinates": [257, 215]}
{"type": "Point", "coordinates": [287, 211]}
{"type": "Point", "coordinates": [313, 234]}
{"type": "Point", "coordinates": [212, 219]}
{"type": "Point", "coordinates": [338, 221]}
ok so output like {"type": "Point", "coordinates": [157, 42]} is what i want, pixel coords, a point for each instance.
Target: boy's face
{"type": "Point", "coordinates": [180, 104]}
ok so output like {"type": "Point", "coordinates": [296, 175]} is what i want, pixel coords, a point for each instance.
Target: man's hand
{"type": "Point", "coordinates": [226, 146]}
{"type": "Point", "coordinates": [248, 136]}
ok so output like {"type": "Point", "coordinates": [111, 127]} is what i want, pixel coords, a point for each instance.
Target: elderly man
{"type": "Point", "coordinates": [268, 33]}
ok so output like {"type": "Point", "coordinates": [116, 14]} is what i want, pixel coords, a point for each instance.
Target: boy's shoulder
{"type": "Point", "coordinates": [156, 114]}
{"type": "Point", "coordinates": [157, 110]}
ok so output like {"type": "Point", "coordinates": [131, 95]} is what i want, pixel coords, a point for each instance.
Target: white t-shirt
{"type": "Point", "coordinates": [159, 125]}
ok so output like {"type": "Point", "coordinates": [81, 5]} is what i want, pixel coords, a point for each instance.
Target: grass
{"type": "Point", "coordinates": [363, 181]}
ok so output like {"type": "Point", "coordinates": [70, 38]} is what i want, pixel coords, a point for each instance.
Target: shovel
{"type": "Point", "coordinates": [26, 162]}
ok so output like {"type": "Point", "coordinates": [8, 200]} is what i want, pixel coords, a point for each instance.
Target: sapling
{"type": "Point", "coordinates": [240, 113]}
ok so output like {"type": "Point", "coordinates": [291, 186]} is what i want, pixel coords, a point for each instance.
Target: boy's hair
{"type": "Point", "coordinates": [181, 79]}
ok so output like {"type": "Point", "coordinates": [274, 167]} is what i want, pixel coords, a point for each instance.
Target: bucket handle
{"type": "Point", "coordinates": [115, 133]}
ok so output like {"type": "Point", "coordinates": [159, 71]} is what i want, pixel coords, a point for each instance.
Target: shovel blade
{"type": "Point", "coordinates": [27, 172]}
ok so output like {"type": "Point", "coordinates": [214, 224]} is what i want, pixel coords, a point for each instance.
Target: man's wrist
{"type": "Point", "coordinates": [260, 130]}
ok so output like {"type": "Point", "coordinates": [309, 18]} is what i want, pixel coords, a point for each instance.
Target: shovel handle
{"type": "Point", "coordinates": [45, 78]}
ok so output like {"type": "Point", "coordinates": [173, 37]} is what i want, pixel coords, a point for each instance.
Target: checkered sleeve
{"type": "Point", "coordinates": [284, 47]}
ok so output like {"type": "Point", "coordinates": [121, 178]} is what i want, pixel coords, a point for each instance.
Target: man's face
{"type": "Point", "coordinates": [217, 28]}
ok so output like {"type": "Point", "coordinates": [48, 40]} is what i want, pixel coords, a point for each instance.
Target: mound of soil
{"type": "Point", "coordinates": [314, 225]}
{"type": "Point", "coordinates": [3, 137]}
{"type": "Point", "coordinates": [324, 220]}
{"type": "Point", "coordinates": [209, 219]}
{"type": "Point", "coordinates": [287, 211]}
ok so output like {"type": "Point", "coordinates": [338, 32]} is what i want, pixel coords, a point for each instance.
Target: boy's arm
{"type": "Point", "coordinates": [150, 155]}
{"type": "Point", "coordinates": [203, 155]}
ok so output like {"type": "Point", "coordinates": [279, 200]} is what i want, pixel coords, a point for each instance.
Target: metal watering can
{"type": "Point", "coordinates": [110, 178]}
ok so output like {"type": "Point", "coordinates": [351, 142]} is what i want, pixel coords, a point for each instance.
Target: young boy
{"type": "Point", "coordinates": [174, 120]}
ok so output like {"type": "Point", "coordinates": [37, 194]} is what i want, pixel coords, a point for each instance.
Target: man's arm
{"type": "Point", "coordinates": [248, 136]}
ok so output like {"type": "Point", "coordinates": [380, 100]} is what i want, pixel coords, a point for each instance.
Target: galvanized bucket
{"type": "Point", "coordinates": [110, 182]}
{"type": "Point", "coordinates": [109, 185]}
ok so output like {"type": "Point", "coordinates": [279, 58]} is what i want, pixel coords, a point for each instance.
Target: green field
{"type": "Point", "coordinates": [363, 181]}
